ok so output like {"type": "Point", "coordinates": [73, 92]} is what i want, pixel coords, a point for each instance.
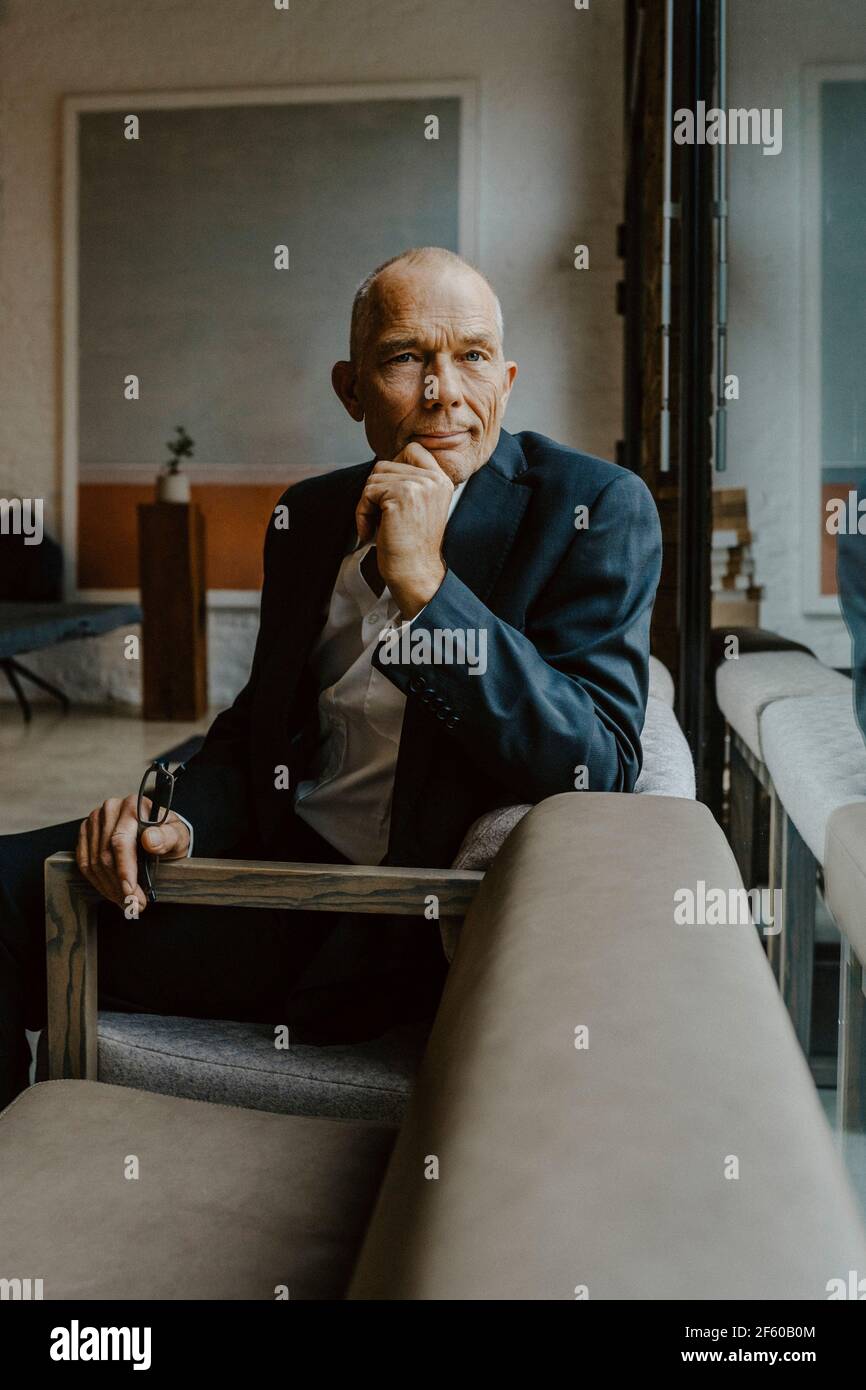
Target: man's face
{"type": "Point", "coordinates": [431, 370]}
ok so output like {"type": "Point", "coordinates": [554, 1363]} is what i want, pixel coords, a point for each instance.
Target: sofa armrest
{"type": "Point", "coordinates": [71, 906]}
{"type": "Point", "coordinates": [667, 770]}
{"type": "Point", "coordinates": [481, 844]}
{"type": "Point", "coordinates": [615, 1099]}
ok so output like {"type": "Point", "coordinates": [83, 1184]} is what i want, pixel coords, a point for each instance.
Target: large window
{"type": "Point", "coordinates": [834, 261]}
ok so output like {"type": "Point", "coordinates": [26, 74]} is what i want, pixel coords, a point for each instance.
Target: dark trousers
{"type": "Point", "coordinates": [330, 977]}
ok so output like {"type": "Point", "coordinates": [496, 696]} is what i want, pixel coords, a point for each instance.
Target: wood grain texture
{"type": "Point", "coordinates": [70, 939]}
{"type": "Point", "coordinates": [313, 887]}
{"type": "Point", "coordinates": [71, 905]}
{"type": "Point", "coordinates": [173, 601]}
{"type": "Point", "coordinates": [316, 887]}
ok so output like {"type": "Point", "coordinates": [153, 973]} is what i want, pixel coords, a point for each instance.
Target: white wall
{"type": "Point", "coordinates": [769, 43]}
{"type": "Point", "coordinates": [550, 176]}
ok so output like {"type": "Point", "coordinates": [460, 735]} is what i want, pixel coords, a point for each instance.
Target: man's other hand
{"type": "Point", "coordinates": [408, 499]}
{"type": "Point", "coordinates": [106, 849]}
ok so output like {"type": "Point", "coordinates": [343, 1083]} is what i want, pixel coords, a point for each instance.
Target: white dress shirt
{"type": "Point", "coordinates": [348, 799]}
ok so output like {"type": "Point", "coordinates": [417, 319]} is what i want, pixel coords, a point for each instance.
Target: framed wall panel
{"type": "Point", "coordinates": [170, 277]}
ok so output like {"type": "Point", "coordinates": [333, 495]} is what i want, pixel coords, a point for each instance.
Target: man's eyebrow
{"type": "Point", "coordinates": [480, 340]}
{"type": "Point", "coordinates": [397, 345]}
{"type": "Point", "coordinates": [389, 345]}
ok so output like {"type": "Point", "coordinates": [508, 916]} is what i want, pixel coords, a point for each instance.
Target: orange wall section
{"type": "Point", "coordinates": [236, 517]}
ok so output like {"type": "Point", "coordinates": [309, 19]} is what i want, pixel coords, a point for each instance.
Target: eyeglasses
{"type": "Point", "coordinates": [152, 808]}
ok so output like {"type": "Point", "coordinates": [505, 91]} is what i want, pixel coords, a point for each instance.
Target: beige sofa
{"type": "Point", "coordinates": [610, 1105]}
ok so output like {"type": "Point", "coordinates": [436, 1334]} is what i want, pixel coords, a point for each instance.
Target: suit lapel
{"type": "Point", "coordinates": [482, 529]}
{"type": "Point", "coordinates": [476, 547]}
{"type": "Point", "coordinates": [308, 581]}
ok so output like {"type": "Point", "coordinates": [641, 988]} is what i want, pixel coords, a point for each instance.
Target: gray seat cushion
{"type": "Point", "coordinates": [227, 1203]}
{"type": "Point", "coordinates": [745, 687]}
{"type": "Point", "coordinates": [816, 758]}
{"type": "Point", "coordinates": [238, 1064]}
{"type": "Point", "coordinates": [661, 682]}
{"type": "Point", "coordinates": [668, 769]}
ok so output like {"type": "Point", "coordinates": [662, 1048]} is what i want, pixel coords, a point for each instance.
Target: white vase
{"type": "Point", "coordinates": [172, 487]}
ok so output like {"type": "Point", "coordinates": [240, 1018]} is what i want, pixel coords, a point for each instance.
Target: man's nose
{"type": "Point", "coordinates": [444, 386]}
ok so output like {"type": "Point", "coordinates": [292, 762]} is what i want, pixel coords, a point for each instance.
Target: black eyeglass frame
{"type": "Point", "coordinates": [147, 863]}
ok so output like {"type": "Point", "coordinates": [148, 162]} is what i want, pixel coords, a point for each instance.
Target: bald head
{"type": "Point", "coordinates": [427, 365]}
{"type": "Point", "coordinates": [368, 304]}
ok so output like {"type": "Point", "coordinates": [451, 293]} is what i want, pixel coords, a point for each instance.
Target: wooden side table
{"type": "Point", "coordinates": [171, 549]}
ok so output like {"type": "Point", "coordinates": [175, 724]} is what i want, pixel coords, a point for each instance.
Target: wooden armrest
{"type": "Point", "coordinates": [71, 905]}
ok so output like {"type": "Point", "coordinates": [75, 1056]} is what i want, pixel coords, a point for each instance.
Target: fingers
{"type": "Point", "coordinates": [385, 488]}
{"type": "Point", "coordinates": [413, 465]}
{"type": "Point", "coordinates": [418, 457]}
{"type": "Point", "coordinates": [107, 849]}
{"type": "Point", "coordinates": [82, 856]}
{"type": "Point", "coordinates": [401, 468]}
{"type": "Point", "coordinates": [118, 834]}
{"type": "Point", "coordinates": [88, 857]}
{"type": "Point", "coordinates": [367, 511]}
{"type": "Point", "coordinates": [394, 477]}
{"type": "Point", "coordinates": [366, 518]}
{"type": "Point", "coordinates": [169, 840]}
{"type": "Point", "coordinates": [123, 846]}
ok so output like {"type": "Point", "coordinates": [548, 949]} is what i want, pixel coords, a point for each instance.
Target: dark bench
{"type": "Point", "coordinates": [31, 627]}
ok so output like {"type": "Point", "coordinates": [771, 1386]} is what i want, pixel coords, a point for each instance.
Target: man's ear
{"type": "Point", "coordinates": [510, 378]}
{"type": "Point", "coordinates": [344, 379]}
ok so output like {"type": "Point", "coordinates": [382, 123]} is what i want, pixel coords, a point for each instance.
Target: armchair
{"type": "Point", "coordinates": [236, 1063]}
{"type": "Point", "coordinates": [71, 934]}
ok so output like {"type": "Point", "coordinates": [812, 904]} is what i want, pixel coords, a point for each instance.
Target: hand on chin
{"type": "Point", "coordinates": [455, 458]}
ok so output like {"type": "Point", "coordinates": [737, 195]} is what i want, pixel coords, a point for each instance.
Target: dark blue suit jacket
{"type": "Point", "coordinates": [567, 617]}
{"type": "Point", "coordinates": [851, 577]}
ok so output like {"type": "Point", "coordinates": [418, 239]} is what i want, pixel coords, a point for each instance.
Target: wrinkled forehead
{"type": "Point", "coordinates": [431, 299]}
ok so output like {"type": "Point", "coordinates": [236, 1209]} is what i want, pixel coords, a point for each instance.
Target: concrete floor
{"type": "Point", "coordinates": [59, 766]}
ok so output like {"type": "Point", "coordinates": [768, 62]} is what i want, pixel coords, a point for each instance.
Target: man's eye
{"type": "Point", "coordinates": [401, 357]}
{"type": "Point", "coordinates": [474, 354]}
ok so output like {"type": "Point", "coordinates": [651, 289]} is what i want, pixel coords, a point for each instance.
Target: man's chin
{"type": "Point", "coordinates": [457, 460]}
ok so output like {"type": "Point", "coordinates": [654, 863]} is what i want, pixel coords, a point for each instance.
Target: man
{"type": "Point", "coordinates": [851, 577]}
{"type": "Point", "coordinates": [462, 623]}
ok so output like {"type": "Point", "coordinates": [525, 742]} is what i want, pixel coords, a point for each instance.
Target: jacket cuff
{"type": "Point", "coordinates": [191, 832]}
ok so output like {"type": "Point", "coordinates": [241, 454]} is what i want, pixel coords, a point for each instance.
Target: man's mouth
{"type": "Point", "coordinates": [440, 437]}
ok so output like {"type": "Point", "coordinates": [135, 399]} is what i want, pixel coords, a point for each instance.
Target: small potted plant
{"type": "Point", "coordinates": [172, 485]}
